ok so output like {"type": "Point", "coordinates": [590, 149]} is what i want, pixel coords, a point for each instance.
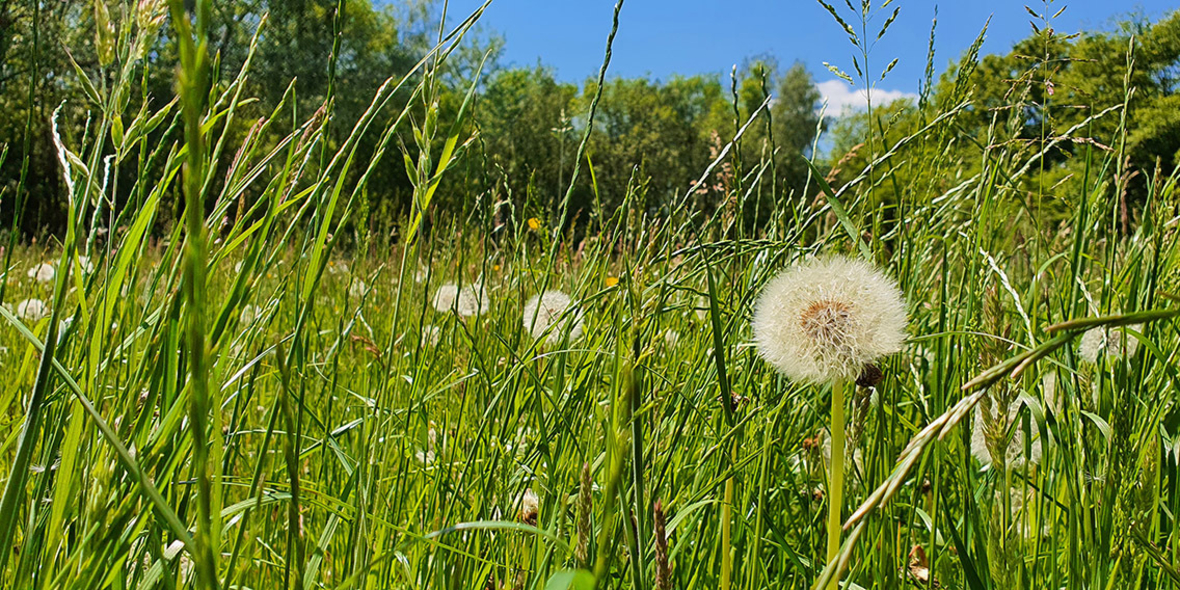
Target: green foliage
{"type": "Point", "coordinates": [238, 401]}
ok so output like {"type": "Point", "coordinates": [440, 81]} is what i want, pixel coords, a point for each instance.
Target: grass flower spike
{"type": "Point", "coordinates": [826, 319]}
{"type": "Point", "coordinates": [551, 309]}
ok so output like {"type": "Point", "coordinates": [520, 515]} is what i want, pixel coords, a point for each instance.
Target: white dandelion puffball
{"type": "Point", "coordinates": [1015, 453]}
{"type": "Point", "coordinates": [827, 318]}
{"type": "Point", "coordinates": [43, 272]}
{"type": "Point", "coordinates": [32, 310]}
{"type": "Point", "coordinates": [1108, 341]}
{"type": "Point", "coordinates": [357, 290]}
{"type": "Point", "coordinates": [468, 301]}
{"type": "Point", "coordinates": [552, 311]}
{"type": "Point", "coordinates": [431, 335]}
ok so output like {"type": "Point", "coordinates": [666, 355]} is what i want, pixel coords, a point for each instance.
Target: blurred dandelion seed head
{"type": "Point", "coordinates": [552, 309]}
{"type": "Point", "coordinates": [43, 272]}
{"type": "Point", "coordinates": [32, 310]}
{"type": "Point", "coordinates": [468, 301]}
{"type": "Point", "coordinates": [1108, 341]}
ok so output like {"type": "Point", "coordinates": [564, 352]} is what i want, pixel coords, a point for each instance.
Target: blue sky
{"type": "Point", "coordinates": [661, 38]}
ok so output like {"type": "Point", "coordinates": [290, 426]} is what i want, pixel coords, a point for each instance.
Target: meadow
{"type": "Point", "coordinates": [260, 396]}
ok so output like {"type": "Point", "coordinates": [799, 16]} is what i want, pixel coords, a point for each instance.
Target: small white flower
{"type": "Point", "coordinates": [337, 268]}
{"type": "Point", "coordinates": [827, 318]}
{"type": "Point", "coordinates": [552, 312]}
{"type": "Point", "coordinates": [1108, 341]}
{"type": "Point", "coordinates": [32, 310]}
{"type": "Point", "coordinates": [468, 301]}
{"type": "Point", "coordinates": [86, 264]}
{"type": "Point", "coordinates": [43, 272]}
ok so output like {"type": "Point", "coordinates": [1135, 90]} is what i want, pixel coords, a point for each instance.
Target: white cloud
{"type": "Point", "coordinates": [840, 96]}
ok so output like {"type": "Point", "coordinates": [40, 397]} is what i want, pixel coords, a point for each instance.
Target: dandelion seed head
{"type": "Point", "coordinates": [827, 318]}
{"type": "Point", "coordinates": [357, 290]}
{"type": "Point", "coordinates": [554, 312]}
{"type": "Point", "coordinates": [431, 334]}
{"type": "Point", "coordinates": [43, 272]}
{"type": "Point", "coordinates": [468, 301]}
{"type": "Point", "coordinates": [1108, 341]}
{"type": "Point", "coordinates": [32, 310]}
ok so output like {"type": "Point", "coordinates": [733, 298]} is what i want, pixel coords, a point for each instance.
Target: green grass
{"type": "Point", "coordinates": [327, 440]}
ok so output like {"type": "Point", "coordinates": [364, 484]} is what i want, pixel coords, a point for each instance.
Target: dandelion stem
{"type": "Point", "coordinates": [836, 474]}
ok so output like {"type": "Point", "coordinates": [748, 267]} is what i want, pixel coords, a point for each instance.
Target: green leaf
{"type": "Point", "coordinates": [571, 580]}
{"type": "Point", "coordinates": [841, 213]}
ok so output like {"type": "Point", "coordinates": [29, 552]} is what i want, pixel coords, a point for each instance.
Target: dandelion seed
{"type": "Point", "coordinates": [468, 301]}
{"type": "Point", "coordinates": [530, 507]}
{"type": "Point", "coordinates": [43, 272]}
{"type": "Point", "coordinates": [552, 312]}
{"type": "Point", "coordinates": [1108, 341]}
{"type": "Point", "coordinates": [826, 319]}
{"type": "Point", "coordinates": [32, 310]}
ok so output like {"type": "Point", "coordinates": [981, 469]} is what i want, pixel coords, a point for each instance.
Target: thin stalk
{"type": "Point", "coordinates": [726, 524]}
{"type": "Point", "coordinates": [836, 475]}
